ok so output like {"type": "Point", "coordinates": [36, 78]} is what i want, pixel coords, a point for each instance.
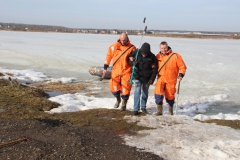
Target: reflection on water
{"type": "Point", "coordinates": [223, 107]}
{"type": "Point", "coordinates": [54, 93]}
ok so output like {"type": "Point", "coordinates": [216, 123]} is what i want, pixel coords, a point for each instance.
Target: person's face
{"type": "Point", "coordinates": [163, 49]}
{"type": "Point", "coordinates": [144, 55]}
{"type": "Point", "coordinates": [123, 40]}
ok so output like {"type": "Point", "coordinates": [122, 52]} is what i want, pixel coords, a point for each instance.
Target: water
{"type": "Point", "coordinates": [212, 77]}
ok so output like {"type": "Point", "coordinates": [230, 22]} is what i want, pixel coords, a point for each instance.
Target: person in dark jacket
{"type": "Point", "coordinates": [145, 72]}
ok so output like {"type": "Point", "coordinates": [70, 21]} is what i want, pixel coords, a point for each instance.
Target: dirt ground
{"type": "Point", "coordinates": [84, 135]}
{"type": "Point", "coordinates": [53, 139]}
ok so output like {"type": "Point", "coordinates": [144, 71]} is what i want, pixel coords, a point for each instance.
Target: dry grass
{"type": "Point", "coordinates": [9, 74]}
{"type": "Point", "coordinates": [61, 87]}
{"type": "Point", "coordinates": [19, 96]}
{"type": "Point", "coordinates": [230, 123]}
{"type": "Point", "coordinates": [112, 119]}
{"type": "Point", "coordinates": [23, 102]}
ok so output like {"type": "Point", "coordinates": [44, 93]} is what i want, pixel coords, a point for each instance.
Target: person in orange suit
{"type": "Point", "coordinates": [170, 68]}
{"type": "Point", "coordinates": [119, 84]}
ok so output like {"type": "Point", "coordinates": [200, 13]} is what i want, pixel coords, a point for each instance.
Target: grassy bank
{"type": "Point", "coordinates": [22, 102]}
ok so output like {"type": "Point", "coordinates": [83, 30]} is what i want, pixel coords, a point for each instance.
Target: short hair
{"type": "Point", "coordinates": [164, 43]}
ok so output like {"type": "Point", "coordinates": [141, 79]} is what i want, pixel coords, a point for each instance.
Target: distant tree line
{"type": "Point", "coordinates": [163, 33]}
{"type": "Point", "coordinates": [32, 27]}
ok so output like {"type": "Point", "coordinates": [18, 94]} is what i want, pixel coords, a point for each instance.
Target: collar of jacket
{"type": "Point", "coordinates": [119, 43]}
{"type": "Point", "coordinates": [168, 52]}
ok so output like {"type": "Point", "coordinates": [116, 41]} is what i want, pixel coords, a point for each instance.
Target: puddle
{"type": "Point", "coordinates": [54, 94]}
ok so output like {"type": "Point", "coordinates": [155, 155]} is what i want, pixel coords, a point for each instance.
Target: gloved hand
{"type": "Point", "coordinates": [180, 76]}
{"type": "Point", "coordinates": [150, 82]}
{"type": "Point", "coordinates": [105, 66]}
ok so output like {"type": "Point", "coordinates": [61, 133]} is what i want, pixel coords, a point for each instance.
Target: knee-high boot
{"type": "Point", "coordinates": [124, 105]}
{"type": "Point", "coordinates": [118, 102]}
{"type": "Point", "coordinates": [170, 109]}
{"type": "Point", "coordinates": [160, 108]}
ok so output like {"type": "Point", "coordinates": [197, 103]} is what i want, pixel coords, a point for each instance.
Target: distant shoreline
{"type": "Point", "coordinates": [149, 32]}
{"type": "Point", "coordinates": [197, 36]}
{"type": "Point", "coordinates": [170, 35]}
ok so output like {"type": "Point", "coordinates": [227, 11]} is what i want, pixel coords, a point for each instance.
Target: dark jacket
{"type": "Point", "coordinates": [145, 67]}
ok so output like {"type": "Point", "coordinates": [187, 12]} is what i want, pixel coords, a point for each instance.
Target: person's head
{"type": "Point", "coordinates": [163, 47]}
{"type": "Point", "coordinates": [145, 49]}
{"type": "Point", "coordinates": [123, 38]}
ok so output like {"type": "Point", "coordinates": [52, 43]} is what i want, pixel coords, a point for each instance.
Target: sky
{"type": "Point", "coordinates": [188, 15]}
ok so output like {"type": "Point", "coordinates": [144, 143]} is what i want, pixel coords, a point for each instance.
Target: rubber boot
{"type": "Point", "coordinates": [159, 110]}
{"type": "Point", "coordinates": [170, 109]}
{"type": "Point", "coordinates": [124, 103]}
{"type": "Point", "coordinates": [118, 102]}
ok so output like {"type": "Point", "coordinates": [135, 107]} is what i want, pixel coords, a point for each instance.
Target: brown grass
{"type": "Point", "coordinates": [61, 87]}
{"type": "Point", "coordinates": [20, 96]}
{"type": "Point", "coordinates": [230, 123]}
{"type": "Point", "coordinates": [23, 102]}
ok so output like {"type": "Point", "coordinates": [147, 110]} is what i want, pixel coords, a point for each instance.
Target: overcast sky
{"type": "Point", "coordinates": [192, 15]}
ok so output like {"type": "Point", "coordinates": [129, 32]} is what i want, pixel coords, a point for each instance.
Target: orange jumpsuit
{"type": "Point", "coordinates": [167, 77]}
{"type": "Point", "coordinates": [121, 71]}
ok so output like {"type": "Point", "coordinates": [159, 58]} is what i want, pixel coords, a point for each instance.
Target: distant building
{"type": "Point", "coordinates": [103, 32]}
{"type": "Point", "coordinates": [95, 31]}
{"type": "Point", "coordinates": [197, 33]}
{"type": "Point", "coordinates": [114, 32]}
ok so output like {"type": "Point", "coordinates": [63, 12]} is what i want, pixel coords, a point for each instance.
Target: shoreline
{"type": "Point", "coordinates": [169, 35]}
{"type": "Point", "coordinates": [87, 134]}
{"type": "Point", "coordinates": [195, 36]}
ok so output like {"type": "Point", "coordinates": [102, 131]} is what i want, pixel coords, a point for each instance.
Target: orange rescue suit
{"type": "Point", "coordinates": [121, 71]}
{"type": "Point", "coordinates": [167, 77]}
